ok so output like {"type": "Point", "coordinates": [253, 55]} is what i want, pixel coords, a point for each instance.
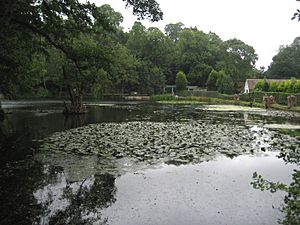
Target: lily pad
{"type": "Point", "coordinates": [155, 141]}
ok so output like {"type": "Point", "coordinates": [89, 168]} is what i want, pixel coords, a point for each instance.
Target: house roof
{"type": "Point", "coordinates": [252, 82]}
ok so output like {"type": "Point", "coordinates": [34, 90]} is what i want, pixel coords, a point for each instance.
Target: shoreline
{"type": "Point", "coordinates": [193, 100]}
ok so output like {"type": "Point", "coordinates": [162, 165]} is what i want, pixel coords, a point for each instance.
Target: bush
{"type": "Point", "coordinates": [181, 81]}
{"type": "Point", "coordinates": [247, 97]}
{"type": "Point", "coordinates": [289, 86]}
{"type": "Point", "coordinates": [42, 93]}
{"type": "Point", "coordinates": [259, 85]}
{"type": "Point", "coordinates": [273, 87]}
{"type": "Point", "coordinates": [280, 98]}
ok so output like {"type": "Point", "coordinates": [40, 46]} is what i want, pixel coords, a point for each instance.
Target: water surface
{"type": "Point", "coordinates": [59, 187]}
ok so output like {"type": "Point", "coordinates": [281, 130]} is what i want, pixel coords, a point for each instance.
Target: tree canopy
{"type": "Point", "coordinates": [65, 46]}
{"type": "Point", "coordinates": [286, 63]}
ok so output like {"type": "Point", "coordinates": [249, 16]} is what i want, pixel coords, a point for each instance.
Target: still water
{"type": "Point", "coordinates": [203, 178]}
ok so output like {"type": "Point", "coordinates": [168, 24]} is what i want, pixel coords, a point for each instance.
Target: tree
{"type": "Point", "coordinates": [287, 62]}
{"type": "Point", "coordinates": [61, 24]}
{"type": "Point", "coordinates": [151, 79]}
{"type": "Point", "coordinates": [137, 37]}
{"type": "Point", "coordinates": [193, 48]}
{"type": "Point", "coordinates": [198, 75]}
{"type": "Point", "coordinates": [124, 76]}
{"type": "Point", "coordinates": [154, 52]}
{"type": "Point", "coordinates": [172, 30]}
{"type": "Point", "coordinates": [212, 81]}
{"type": "Point", "coordinates": [226, 85]}
{"type": "Point", "coordinates": [181, 81]}
{"type": "Point", "coordinates": [239, 61]}
{"type": "Point", "coordinates": [221, 75]}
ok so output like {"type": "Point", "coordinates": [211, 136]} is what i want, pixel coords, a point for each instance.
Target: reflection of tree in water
{"type": "Point", "coordinates": [73, 121]}
{"type": "Point", "coordinates": [77, 202]}
{"type": "Point", "coordinates": [291, 206]}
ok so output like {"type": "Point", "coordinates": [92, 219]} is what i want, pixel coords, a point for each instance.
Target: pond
{"type": "Point", "coordinates": [142, 163]}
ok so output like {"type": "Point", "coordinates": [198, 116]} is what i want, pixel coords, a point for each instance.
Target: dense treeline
{"type": "Point", "coordinates": [51, 48]}
{"type": "Point", "coordinates": [44, 52]}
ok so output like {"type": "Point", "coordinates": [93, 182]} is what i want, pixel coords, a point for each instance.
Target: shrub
{"type": "Point", "coordinates": [259, 85]}
{"type": "Point", "coordinates": [280, 98]}
{"type": "Point", "coordinates": [181, 81]}
{"type": "Point", "coordinates": [42, 92]}
{"type": "Point", "coordinates": [273, 87]}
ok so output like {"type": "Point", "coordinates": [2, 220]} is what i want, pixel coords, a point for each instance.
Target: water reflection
{"type": "Point", "coordinates": [73, 121]}
{"type": "Point", "coordinates": [75, 202]}
{"type": "Point", "coordinates": [51, 188]}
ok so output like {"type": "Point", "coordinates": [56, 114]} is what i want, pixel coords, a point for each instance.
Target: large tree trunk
{"type": "Point", "coordinates": [76, 106]}
{"type": "Point", "coordinates": [76, 95]}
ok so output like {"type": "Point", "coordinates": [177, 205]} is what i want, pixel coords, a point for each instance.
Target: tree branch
{"type": "Point", "coordinates": [51, 41]}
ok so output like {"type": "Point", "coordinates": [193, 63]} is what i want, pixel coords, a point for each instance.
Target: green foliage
{"type": "Point", "coordinates": [221, 75]}
{"type": "Point", "coordinates": [212, 81]}
{"type": "Point", "coordinates": [200, 93]}
{"type": "Point", "coordinates": [150, 78]}
{"type": "Point", "coordinates": [198, 75]}
{"type": "Point", "coordinates": [101, 81]}
{"type": "Point", "coordinates": [164, 97]}
{"type": "Point", "coordinates": [289, 86]}
{"type": "Point", "coordinates": [181, 81]}
{"type": "Point", "coordinates": [42, 93]}
{"type": "Point", "coordinates": [291, 200]}
{"type": "Point", "coordinates": [226, 85]}
{"type": "Point", "coordinates": [146, 9]}
{"type": "Point", "coordinates": [81, 31]}
{"type": "Point", "coordinates": [123, 72]}
{"type": "Point", "coordinates": [272, 88]}
{"type": "Point", "coordinates": [62, 46]}
{"type": "Point", "coordinates": [287, 62]}
{"type": "Point", "coordinates": [239, 61]}
{"type": "Point", "coordinates": [265, 85]}
{"type": "Point", "coordinates": [173, 30]}
{"type": "Point", "coordinates": [280, 98]}
{"type": "Point", "coordinates": [259, 85]}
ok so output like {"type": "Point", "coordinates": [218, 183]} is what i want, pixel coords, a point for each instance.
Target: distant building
{"type": "Point", "coordinates": [250, 83]}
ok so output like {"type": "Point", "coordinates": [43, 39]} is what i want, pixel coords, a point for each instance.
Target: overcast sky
{"type": "Point", "coordinates": [263, 24]}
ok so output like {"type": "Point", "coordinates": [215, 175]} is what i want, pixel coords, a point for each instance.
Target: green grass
{"type": "Point", "coordinates": [189, 100]}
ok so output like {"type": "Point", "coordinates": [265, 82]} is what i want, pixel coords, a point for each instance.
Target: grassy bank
{"type": "Point", "coordinates": [169, 99]}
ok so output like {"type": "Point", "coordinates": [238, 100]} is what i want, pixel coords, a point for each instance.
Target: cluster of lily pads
{"type": "Point", "coordinates": [192, 141]}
